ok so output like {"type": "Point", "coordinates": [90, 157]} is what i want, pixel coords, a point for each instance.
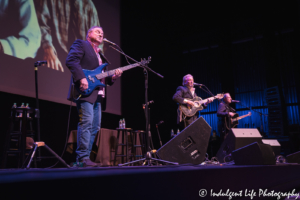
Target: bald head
{"type": "Point", "coordinates": [227, 98]}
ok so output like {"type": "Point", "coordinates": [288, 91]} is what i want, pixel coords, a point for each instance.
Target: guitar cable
{"type": "Point", "coordinates": [68, 128]}
{"type": "Point", "coordinates": [67, 137]}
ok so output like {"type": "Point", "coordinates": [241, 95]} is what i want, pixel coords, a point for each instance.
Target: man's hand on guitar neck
{"type": "Point", "coordinates": [209, 100]}
{"type": "Point", "coordinates": [117, 74]}
{"type": "Point", "coordinates": [83, 84]}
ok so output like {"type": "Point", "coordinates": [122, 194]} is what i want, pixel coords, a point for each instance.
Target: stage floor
{"type": "Point", "coordinates": [153, 182]}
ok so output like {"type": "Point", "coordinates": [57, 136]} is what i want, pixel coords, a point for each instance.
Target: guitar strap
{"type": "Point", "coordinates": [229, 108]}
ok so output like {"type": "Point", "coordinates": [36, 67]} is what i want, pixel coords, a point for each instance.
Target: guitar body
{"type": "Point", "coordinates": [191, 111]}
{"type": "Point", "coordinates": [94, 76]}
{"type": "Point", "coordinates": [92, 80]}
{"type": "Point", "coordinates": [234, 123]}
{"type": "Point", "coordinates": [231, 122]}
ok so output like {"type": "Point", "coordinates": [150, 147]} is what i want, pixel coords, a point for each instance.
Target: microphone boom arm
{"type": "Point", "coordinates": [145, 66]}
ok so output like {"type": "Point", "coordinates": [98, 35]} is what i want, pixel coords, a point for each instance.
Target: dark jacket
{"type": "Point", "coordinates": [82, 56]}
{"type": "Point", "coordinates": [223, 109]}
{"type": "Point", "coordinates": [182, 92]}
{"type": "Point", "coordinates": [223, 116]}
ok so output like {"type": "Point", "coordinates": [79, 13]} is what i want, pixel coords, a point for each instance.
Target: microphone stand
{"type": "Point", "coordinates": [207, 91]}
{"type": "Point", "coordinates": [149, 127]}
{"type": "Point", "coordinates": [37, 108]}
{"type": "Point", "coordinates": [210, 93]}
{"type": "Point", "coordinates": [158, 135]}
{"type": "Point", "coordinates": [260, 115]}
{"type": "Point", "coordinates": [148, 158]}
{"type": "Point", "coordinates": [37, 115]}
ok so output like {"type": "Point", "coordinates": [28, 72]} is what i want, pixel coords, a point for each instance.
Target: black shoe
{"type": "Point", "coordinates": [89, 163]}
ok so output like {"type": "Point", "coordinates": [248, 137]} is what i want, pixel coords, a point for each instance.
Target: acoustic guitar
{"type": "Point", "coordinates": [190, 111]}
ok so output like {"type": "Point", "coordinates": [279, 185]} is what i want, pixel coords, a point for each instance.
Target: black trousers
{"type": "Point", "coordinates": [187, 121]}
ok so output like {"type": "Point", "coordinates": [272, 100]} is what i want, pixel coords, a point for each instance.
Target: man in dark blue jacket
{"type": "Point", "coordinates": [87, 55]}
{"type": "Point", "coordinates": [184, 95]}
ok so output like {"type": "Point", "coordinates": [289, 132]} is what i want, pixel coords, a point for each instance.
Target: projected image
{"type": "Point", "coordinates": [69, 20]}
{"type": "Point", "coordinates": [35, 30]}
{"type": "Point", "coordinates": [20, 35]}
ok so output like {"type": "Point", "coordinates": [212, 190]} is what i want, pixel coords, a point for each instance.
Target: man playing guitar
{"type": "Point", "coordinates": [225, 113]}
{"type": "Point", "coordinates": [182, 96]}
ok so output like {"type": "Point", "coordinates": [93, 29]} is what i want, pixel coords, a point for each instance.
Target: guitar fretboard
{"type": "Point", "coordinates": [112, 72]}
{"type": "Point", "coordinates": [205, 100]}
{"type": "Point", "coordinates": [241, 117]}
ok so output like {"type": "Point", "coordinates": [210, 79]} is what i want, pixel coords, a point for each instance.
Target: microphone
{"type": "Point", "coordinates": [235, 101]}
{"type": "Point", "coordinates": [198, 84]}
{"type": "Point", "coordinates": [42, 62]}
{"type": "Point", "coordinates": [106, 40]}
{"type": "Point", "coordinates": [159, 123]}
{"type": "Point", "coordinates": [39, 63]}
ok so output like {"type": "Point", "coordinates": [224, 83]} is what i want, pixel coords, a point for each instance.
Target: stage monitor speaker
{"type": "Point", "coordinates": [293, 158]}
{"type": "Point", "coordinates": [237, 138]}
{"type": "Point", "coordinates": [254, 154]}
{"type": "Point", "coordinates": [189, 146]}
{"type": "Point", "coordinates": [274, 144]}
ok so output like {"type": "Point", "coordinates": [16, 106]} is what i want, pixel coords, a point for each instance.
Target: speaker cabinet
{"type": "Point", "coordinates": [237, 138]}
{"type": "Point", "coordinates": [274, 144]}
{"type": "Point", "coordinates": [254, 154]}
{"type": "Point", "coordinates": [189, 146]}
{"type": "Point", "coordinates": [293, 158]}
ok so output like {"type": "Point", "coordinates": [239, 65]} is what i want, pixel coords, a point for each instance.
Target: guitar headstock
{"type": "Point", "coordinates": [219, 96]}
{"type": "Point", "coordinates": [145, 62]}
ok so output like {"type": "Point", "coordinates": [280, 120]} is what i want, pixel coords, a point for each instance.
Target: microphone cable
{"type": "Point", "coordinates": [67, 137]}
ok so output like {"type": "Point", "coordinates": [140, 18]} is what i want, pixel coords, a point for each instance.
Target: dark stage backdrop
{"type": "Point", "coordinates": [237, 47]}
{"type": "Point", "coordinates": [248, 73]}
{"type": "Point", "coordinates": [35, 30]}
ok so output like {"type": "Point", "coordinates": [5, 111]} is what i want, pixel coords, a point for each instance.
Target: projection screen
{"type": "Point", "coordinates": [35, 30]}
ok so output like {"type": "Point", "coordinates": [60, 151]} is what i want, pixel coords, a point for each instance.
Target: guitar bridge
{"type": "Point", "coordinates": [91, 78]}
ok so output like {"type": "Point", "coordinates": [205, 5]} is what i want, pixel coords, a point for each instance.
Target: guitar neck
{"type": "Point", "coordinates": [205, 100]}
{"type": "Point", "coordinates": [241, 117]}
{"type": "Point", "coordinates": [112, 72]}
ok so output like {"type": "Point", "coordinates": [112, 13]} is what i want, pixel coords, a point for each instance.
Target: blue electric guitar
{"type": "Point", "coordinates": [94, 76]}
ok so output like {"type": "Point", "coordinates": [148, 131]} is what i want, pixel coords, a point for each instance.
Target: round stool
{"type": "Point", "coordinates": [139, 134]}
{"type": "Point", "coordinates": [125, 143]}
